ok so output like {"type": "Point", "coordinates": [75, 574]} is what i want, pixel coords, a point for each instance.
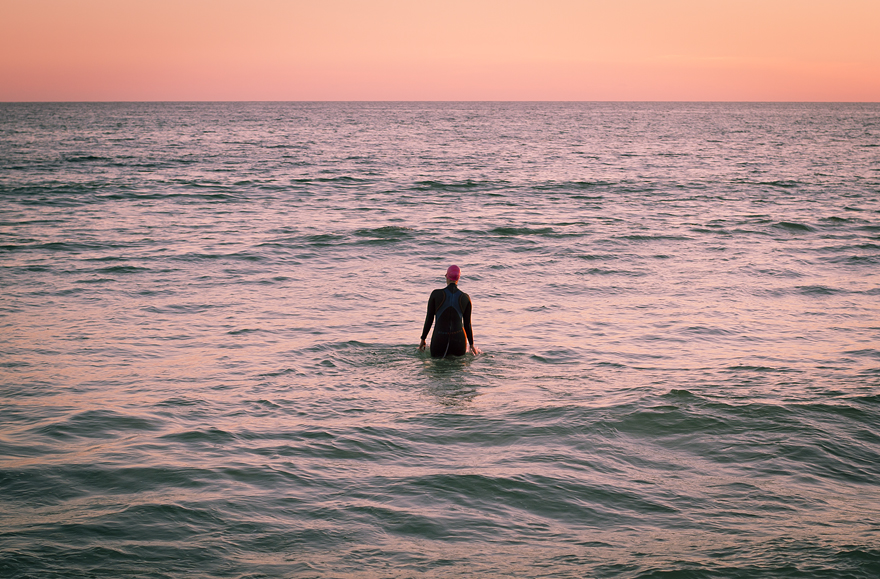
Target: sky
{"type": "Point", "coordinates": [315, 50]}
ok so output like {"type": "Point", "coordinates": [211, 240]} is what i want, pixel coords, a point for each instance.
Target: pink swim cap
{"type": "Point", "coordinates": [453, 273]}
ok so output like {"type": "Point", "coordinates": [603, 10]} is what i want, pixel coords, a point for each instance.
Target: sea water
{"type": "Point", "coordinates": [210, 312]}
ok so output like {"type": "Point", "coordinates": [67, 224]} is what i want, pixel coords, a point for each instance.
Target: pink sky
{"type": "Point", "coordinates": [725, 50]}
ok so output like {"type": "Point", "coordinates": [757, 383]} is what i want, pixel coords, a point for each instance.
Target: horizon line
{"type": "Point", "coordinates": [434, 101]}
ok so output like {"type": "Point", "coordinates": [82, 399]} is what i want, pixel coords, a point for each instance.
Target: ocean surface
{"type": "Point", "coordinates": [210, 312]}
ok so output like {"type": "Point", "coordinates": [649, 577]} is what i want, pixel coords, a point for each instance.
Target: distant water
{"type": "Point", "coordinates": [209, 317]}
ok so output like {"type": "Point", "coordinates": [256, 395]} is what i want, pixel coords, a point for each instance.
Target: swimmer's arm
{"type": "Point", "coordinates": [468, 330]}
{"type": "Point", "coordinates": [429, 320]}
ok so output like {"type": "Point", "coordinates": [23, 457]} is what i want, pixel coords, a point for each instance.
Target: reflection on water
{"type": "Point", "coordinates": [208, 340]}
{"type": "Point", "coordinates": [449, 379]}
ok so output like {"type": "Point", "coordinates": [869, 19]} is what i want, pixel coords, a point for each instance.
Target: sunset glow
{"type": "Point", "coordinates": [773, 50]}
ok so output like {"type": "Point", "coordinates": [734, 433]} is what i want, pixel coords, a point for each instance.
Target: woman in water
{"type": "Point", "coordinates": [451, 309]}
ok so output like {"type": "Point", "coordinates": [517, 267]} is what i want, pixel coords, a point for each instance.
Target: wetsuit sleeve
{"type": "Point", "coordinates": [466, 312]}
{"type": "Point", "coordinates": [429, 317]}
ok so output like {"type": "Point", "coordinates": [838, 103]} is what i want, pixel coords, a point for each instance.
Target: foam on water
{"type": "Point", "coordinates": [209, 317]}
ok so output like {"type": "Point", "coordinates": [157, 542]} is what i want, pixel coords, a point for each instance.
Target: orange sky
{"type": "Point", "coordinates": [739, 50]}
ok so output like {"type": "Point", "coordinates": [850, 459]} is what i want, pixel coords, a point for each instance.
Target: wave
{"type": "Point", "coordinates": [208, 436]}
{"type": "Point", "coordinates": [793, 226]}
{"type": "Point", "coordinates": [64, 246]}
{"type": "Point", "coordinates": [181, 309]}
{"type": "Point", "coordinates": [80, 194]}
{"type": "Point", "coordinates": [712, 231]}
{"type": "Point", "coordinates": [855, 260]}
{"type": "Point", "coordinates": [818, 290]}
{"type": "Point", "coordinates": [456, 186]}
{"type": "Point", "coordinates": [654, 238]}
{"type": "Point", "coordinates": [324, 239]}
{"type": "Point", "coordinates": [85, 158]}
{"type": "Point", "coordinates": [603, 272]}
{"type": "Point", "coordinates": [338, 180]}
{"type": "Point", "coordinates": [849, 247]}
{"type": "Point", "coordinates": [237, 256]}
{"type": "Point", "coordinates": [597, 257]}
{"type": "Point", "coordinates": [839, 221]}
{"type": "Point", "coordinates": [751, 368]}
{"type": "Point", "coordinates": [780, 183]}
{"type": "Point", "coordinates": [123, 269]}
{"type": "Point", "coordinates": [97, 424]}
{"type": "Point", "coordinates": [574, 186]}
{"type": "Point", "coordinates": [387, 232]}
{"type": "Point", "coordinates": [244, 331]}
{"type": "Point", "coordinates": [519, 231]}
{"type": "Point", "coordinates": [785, 184]}
{"type": "Point", "coordinates": [865, 352]}
{"type": "Point", "coordinates": [229, 197]}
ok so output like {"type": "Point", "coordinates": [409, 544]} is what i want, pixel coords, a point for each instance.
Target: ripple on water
{"type": "Point", "coordinates": [211, 313]}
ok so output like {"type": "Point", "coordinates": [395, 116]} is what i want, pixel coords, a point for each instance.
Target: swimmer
{"type": "Point", "coordinates": [451, 308]}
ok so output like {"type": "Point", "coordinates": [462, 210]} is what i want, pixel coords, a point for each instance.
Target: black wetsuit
{"type": "Point", "coordinates": [452, 309]}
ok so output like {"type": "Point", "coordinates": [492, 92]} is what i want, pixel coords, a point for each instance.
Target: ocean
{"type": "Point", "coordinates": [210, 313]}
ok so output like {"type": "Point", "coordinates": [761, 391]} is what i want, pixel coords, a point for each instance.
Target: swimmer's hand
{"type": "Point", "coordinates": [475, 351]}
{"type": "Point", "coordinates": [422, 345]}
